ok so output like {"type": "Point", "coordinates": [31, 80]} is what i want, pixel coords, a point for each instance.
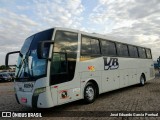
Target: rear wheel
{"type": "Point", "coordinates": [142, 80]}
{"type": "Point", "coordinates": [89, 93]}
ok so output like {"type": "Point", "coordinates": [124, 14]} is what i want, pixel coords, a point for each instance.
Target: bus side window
{"type": "Point", "coordinates": [95, 47]}
{"type": "Point", "coordinates": [64, 57]}
{"type": "Point", "coordinates": [108, 48]}
{"type": "Point", "coordinates": [133, 51]}
{"type": "Point", "coordinates": [148, 52]}
{"type": "Point", "coordinates": [122, 50]}
{"type": "Point", "coordinates": [59, 64]}
{"type": "Point", "coordinates": [86, 46]}
{"type": "Point", "coordinates": [90, 48]}
{"type": "Point", "coordinates": [142, 52]}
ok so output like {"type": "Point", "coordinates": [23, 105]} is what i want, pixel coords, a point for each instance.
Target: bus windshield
{"type": "Point", "coordinates": [28, 65]}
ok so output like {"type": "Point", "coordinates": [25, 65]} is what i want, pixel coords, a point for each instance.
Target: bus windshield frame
{"type": "Point", "coordinates": [29, 67]}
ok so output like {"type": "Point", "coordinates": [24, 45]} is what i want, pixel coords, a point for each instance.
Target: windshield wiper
{"type": "Point", "coordinates": [22, 68]}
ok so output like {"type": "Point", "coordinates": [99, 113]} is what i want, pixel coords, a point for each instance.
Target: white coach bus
{"type": "Point", "coordinates": [58, 65]}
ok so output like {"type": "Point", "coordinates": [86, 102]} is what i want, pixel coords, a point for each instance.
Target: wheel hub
{"type": "Point", "coordinates": [90, 93]}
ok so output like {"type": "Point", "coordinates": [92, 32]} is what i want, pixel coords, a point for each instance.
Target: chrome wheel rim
{"type": "Point", "coordinates": [90, 93]}
{"type": "Point", "coordinates": [142, 80]}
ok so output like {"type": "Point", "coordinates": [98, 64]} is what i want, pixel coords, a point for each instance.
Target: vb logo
{"type": "Point", "coordinates": [111, 63]}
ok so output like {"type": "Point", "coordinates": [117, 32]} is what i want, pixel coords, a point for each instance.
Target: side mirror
{"type": "Point", "coordinates": [7, 58]}
{"type": "Point", "coordinates": [42, 51]}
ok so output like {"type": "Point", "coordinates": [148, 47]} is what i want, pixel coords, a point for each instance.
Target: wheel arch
{"type": "Point", "coordinates": [144, 76]}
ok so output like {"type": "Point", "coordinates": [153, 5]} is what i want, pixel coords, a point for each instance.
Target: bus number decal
{"type": "Point", "coordinates": [28, 85]}
{"type": "Point", "coordinates": [111, 63]}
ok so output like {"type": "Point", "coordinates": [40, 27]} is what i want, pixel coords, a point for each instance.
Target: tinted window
{"type": "Point", "coordinates": [142, 52]}
{"type": "Point", "coordinates": [148, 51]}
{"type": "Point", "coordinates": [108, 48]}
{"type": "Point", "coordinates": [122, 49]}
{"type": "Point", "coordinates": [59, 63]}
{"type": "Point", "coordinates": [31, 66]}
{"type": "Point", "coordinates": [26, 45]}
{"type": "Point", "coordinates": [65, 41]}
{"type": "Point", "coordinates": [42, 36]}
{"type": "Point", "coordinates": [90, 46]}
{"type": "Point", "coordinates": [39, 66]}
{"type": "Point", "coordinates": [86, 46]}
{"type": "Point", "coordinates": [133, 51]}
{"type": "Point", "coordinates": [64, 57]}
{"type": "Point", "coordinates": [95, 46]}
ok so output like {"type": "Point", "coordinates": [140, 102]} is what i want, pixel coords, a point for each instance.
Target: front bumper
{"type": "Point", "coordinates": [27, 95]}
{"type": "Point", "coordinates": [42, 100]}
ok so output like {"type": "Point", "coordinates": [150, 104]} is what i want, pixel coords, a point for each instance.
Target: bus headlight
{"type": "Point", "coordinates": [39, 90]}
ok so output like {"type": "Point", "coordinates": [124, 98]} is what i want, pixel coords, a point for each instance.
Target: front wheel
{"type": "Point", "coordinates": [142, 80]}
{"type": "Point", "coordinates": [89, 93]}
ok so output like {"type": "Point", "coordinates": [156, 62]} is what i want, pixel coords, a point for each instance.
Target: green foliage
{"type": "Point", "coordinates": [3, 67]}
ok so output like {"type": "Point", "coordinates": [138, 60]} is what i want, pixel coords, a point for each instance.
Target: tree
{"type": "Point", "coordinates": [3, 67]}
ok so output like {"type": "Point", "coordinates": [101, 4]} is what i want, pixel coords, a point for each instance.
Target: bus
{"type": "Point", "coordinates": [61, 65]}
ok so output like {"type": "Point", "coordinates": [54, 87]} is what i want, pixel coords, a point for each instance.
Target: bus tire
{"type": "Point", "coordinates": [142, 80]}
{"type": "Point", "coordinates": [89, 93]}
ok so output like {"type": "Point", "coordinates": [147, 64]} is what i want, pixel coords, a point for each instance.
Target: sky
{"type": "Point", "coordinates": [132, 21]}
